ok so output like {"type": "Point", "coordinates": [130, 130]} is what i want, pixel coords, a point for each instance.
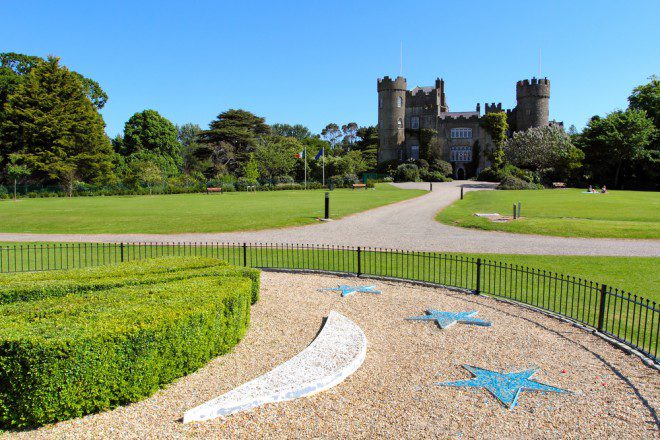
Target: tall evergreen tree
{"type": "Point", "coordinates": [54, 127]}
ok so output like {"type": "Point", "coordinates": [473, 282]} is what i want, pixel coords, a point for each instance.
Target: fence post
{"type": "Point", "coordinates": [244, 254]}
{"type": "Point", "coordinates": [477, 291]}
{"type": "Point", "coordinates": [121, 248]}
{"type": "Point", "coordinates": [359, 261]}
{"type": "Point", "coordinates": [601, 311]}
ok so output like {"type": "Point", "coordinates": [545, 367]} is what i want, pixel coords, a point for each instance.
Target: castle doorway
{"type": "Point", "coordinates": [460, 174]}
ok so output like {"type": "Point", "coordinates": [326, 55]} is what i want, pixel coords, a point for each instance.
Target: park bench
{"type": "Point", "coordinates": [359, 185]}
{"type": "Point", "coordinates": [213, 190]}
{"type": "Point", "coordinates": [560, 185]}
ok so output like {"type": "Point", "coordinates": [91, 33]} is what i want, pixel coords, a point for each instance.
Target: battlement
{"type": "Point", "coordinates": [471, 117]}
{"type": "Point", "coordinates": [386, 83]}
{"type": "Point", "coordinates": [534, 87]}
{"type": "Point", "coordinates": [493, 108]}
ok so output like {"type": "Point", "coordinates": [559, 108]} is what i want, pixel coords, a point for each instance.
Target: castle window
{"type": "Point", "coordinates": [399, 101]}
{"type": "Point", "coordinates": [461, 133]}
{"type": "Point", "coordinates": [414, 152]}
{"type": "Point", "coordinates": [414, 122]}
{"type": "Point", "coordinates": [399, 123]}
{"type": "Point", "coordinates": [460, 154]}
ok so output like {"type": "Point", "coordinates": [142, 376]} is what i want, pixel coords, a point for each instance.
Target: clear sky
{"type": "Point", "coordinates": [315, 62]}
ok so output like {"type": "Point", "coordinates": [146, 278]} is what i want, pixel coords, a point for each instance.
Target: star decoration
{"type": "Point", "coordinates": [447, 319]}
{"type": "Point", "coordinates": [504, 386]}
{"type": "Point", "coordinates": [348, 290]}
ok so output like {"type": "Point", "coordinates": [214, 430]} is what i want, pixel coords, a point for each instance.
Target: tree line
{"type": "Point", "coordinates": [51, 133]}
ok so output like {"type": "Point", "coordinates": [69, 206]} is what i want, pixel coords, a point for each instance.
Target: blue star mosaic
{"type": "Point", "coordinates": [348, 290]}
{"type": "Point", "coordinates": [504, 386]}
{"type": "Point", "coordinates": [447, 319]}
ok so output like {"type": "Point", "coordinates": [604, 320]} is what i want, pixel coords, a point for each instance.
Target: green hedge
{"type": "Point", "coordinates": [67, 353]}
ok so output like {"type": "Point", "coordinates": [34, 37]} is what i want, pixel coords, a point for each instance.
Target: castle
{"type": "Point", "coordinates": [404, 114]}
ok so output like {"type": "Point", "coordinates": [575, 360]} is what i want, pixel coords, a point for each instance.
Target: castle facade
{"type": "Point", "coordinates": [404, 114]}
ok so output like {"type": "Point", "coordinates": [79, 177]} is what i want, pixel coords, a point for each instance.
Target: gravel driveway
{"type": "Point", "coordinates": [406, 225]}
{"type": "Point", "coordinates": [392, 395]}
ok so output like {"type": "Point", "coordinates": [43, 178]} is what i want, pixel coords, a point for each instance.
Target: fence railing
{"type": "Point", "coordinates": [630, 319]}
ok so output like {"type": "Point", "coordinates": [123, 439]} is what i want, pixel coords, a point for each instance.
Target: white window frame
{"type": "Point", "coordinates": [399, 101]}
{"type": "Point", "coordinates": [460, 154]}
{"type": "Point", "coordinates": [461, 133]}
{"type": "Point", "coordinates": [414, 122]}
{"type": "Point", "coordinates": [399, 124]}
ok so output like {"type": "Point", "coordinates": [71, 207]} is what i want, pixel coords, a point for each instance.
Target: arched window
{"type": "Point", "coordinates": [399, 101]}
{"type": "Point", "coordinates": [399, 123]}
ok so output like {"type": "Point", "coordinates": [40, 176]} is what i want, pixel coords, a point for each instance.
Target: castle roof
{"type": "Point", "coordinates": [444, 115]}
{"type": "Point", "coordinates": [425, 89]}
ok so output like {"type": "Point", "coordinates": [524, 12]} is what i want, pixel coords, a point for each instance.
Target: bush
{"type": "Point", "coordinates": [512, 182]}
{"type": "Point", "coordinates": [407, 172]}
{"type": "Point", "coordinates": [442, 167]}
{"type": "Point", "coordinates": [423, 164]}
{"type": "Point", "coordinates": [433, 176]}
{"type": "Point", "coordinates": [120, 334]}
{"type": "Point", "coordinates": [491, 175]}
{"type": "Point", "coordinates": [388, 179]}
{"type": "Point", "coordinates": [287, 186]}
{"type": "Point", "coordinates": [3, 191]}
{"type": "Point", "coordinates": [284, 179]}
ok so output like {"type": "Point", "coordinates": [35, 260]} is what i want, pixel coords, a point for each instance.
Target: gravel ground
{"type": "Point", "coordinates": [392, 394]}
{"type": "Point", "coordinates": [406, 225]}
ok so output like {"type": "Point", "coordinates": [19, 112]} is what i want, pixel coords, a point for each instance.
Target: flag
{"type": "Point", "coordinates": [300, 155]}
{"type": "Point", "coordinates": [319, 154]}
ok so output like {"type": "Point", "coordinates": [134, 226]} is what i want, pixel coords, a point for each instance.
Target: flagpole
{"type": "Point", "coordinates": [305, 154]}
{"type": "Point", "coordinates": [323, 149]}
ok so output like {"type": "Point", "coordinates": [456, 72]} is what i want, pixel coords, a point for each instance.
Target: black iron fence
{"type": "Point", "coordinates": [628, 318]}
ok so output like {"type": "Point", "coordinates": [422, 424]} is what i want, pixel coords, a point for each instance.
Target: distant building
{"type": "Point", "coordinates": [403, 114]}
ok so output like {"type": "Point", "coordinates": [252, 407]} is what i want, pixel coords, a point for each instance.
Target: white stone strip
{"type": "Point", "coordinates": [335, 354]}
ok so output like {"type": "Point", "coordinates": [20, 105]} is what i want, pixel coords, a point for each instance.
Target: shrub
{"type": "Point", "coordinates": [512, 182]}
{"type": "Point", "coordinates": [288, 186]}
{"type": "Point", "coordinates": [407, 172]}
{"type": "Point", "coordinates": [284, 179]}
{"type": "Point", "coordinates": [442, 167]}
{"type": "Point", "coordinates": [433, 176]}
{"type": "Point", "coordinates": [3, 191]}
{"type": "Point", "coordinates": [108, 342]}
{"type": "Point", "coordinates": [423, 164]}
{"type": "Point", "coordinates": [388, 179]}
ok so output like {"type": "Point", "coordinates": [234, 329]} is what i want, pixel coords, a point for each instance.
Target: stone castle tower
{"type": "Point", "coordinates": [532, 108]}
{"type": "Point", "coordinates": [391, 116]}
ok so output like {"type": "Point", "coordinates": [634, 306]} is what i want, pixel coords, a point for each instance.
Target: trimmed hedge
{"type": "Point", "coordinates": [92, 343]}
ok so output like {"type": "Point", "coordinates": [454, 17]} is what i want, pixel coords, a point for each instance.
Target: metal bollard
{"type": "Point", "coordinates": [461, 192]}
{"type": "Point", "coordinates": [514, 211]}
{"type": "Point", "coordinates": [327, 205]}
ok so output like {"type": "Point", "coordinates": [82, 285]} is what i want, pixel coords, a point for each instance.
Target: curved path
{"type": "Point", "coordinates": [406, 225]}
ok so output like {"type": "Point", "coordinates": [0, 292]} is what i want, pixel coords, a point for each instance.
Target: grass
{"type": "Point", "coordinates": [566, 213]}
{"type": "Point", "coordinates": [181, 213]}
{"type": "Point", "coordinates": [568, 285]}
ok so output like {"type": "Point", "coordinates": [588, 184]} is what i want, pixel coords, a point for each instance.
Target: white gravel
{"type": "Point", "coordinates": [392, 394]}
{"type": "Point", "coordinates": [408, 225]}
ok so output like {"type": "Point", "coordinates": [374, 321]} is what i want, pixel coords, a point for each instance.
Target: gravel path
{"type": "Point", "coordinates": [392, 394]}
{"type": "Point", "coordinates": [406, 225]}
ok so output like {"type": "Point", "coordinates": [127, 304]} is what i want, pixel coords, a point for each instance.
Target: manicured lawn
{"type": "Point", "coordinates": [567, 213]}
{"type": "Point", "coordinates": [181, 213]}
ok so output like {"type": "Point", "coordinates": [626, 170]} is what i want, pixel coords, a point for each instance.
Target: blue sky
{"type": "Point", "coordinates": [314, 62]}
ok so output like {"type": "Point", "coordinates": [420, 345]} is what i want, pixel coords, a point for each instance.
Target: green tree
{"type": "Point", "coordinates": [547, 151]}
{"type": "Point", "coordinates": [149, 132]}
{"type": "Point", "coordinates": [231, 137]}
{"type": "Point", "coordinates": [332, 134]}
{"type": "Point", "coordinates": [647, 97]}
{"type": "Point", "coordinates": [251, 169]}
{"type": "Point", "coordinates": [16, 171]}
{"type": "Point", "coordinates": [149, 173]}
{"type": "Point", "coordinates": [53, 125]}
{"type": "Point", "coordinates": [297, 131]}
{"type": "Point", "coordinates": [188, 136]}
{"type": "Point", "coordinates": [367, 143]}
{"type": "Point", "coordinates": [275, 156]}
{"type": "Point", "coordinates": [616, 144]}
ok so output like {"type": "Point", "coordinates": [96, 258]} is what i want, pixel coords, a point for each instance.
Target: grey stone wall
{"type": "Point", "coordinates": [391, 134]}
{"type": "Point", "coordinates": [533, 101]}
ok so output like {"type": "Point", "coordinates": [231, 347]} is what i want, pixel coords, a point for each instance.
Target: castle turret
{"type": "Point", "coordinates": [533, 99]}
{"type": "Point", "coordinates": [391, 116]}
